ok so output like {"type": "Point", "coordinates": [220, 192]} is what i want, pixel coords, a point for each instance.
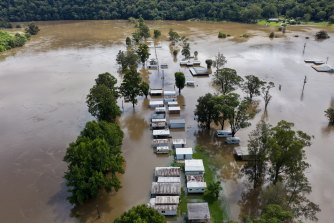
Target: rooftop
{"type": "Point", "coordinates": [169, 180]}
{"type": "Point", "coordinates": [161, 132]}
{"type": "Point", "coordinates": [194, 184]}
{"type": "Point", "coordinates": [182, 151]}
{"type": "Point", "coordinates": [165, 188]}
{"type": "Point", "coordinates": [198, 211]}
{"type": "Point", "coordinates": [167, 171]}
{"type": "Point", "coordinates": [194, 165]}
{"type": "Point", "coordinates": [179, 141]}
{"type": "Point", "coordinates": [177, 121]}
{"type": "Point", "coordinates": [167, 200]}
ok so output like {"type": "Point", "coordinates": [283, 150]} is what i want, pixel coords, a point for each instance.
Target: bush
{"type": "Point", "coordinates": [221, 35]}
{"type": "Point", "coordinates": [271, 35]}
{"type": "Point", "coordinates": [32, 29]}
{"type": "Point", "coordinates": [321, 35]}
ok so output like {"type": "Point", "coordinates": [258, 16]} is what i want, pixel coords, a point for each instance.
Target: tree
{"type": "Point", "coordinates": [252, 86]}
{"type": "Point", "coordinates": [94, 160]}
{"type": "Point", "coordinates": [32, 29]}
{"type": "Point", "coordinates": [257, 168]}
{"type": "Point", "coordinates": [225, 105]}
{"type": "Point", "coordinates": [212, 191]}
{"type": "Point", "coordinates": [109, 81]}
{"type": "Point", "coordinates": [286, 148]}
{"type": "Point", "coordinates": [156, 34]}
{"type": "Point", "coordinates": [143, 53]}
{"type": "Point", "coordinates": [186, 50]}
{"type": "Point", "coordinates": [196, 54]}
{"type": "Point", "coordinates": [173, 36]}
{"type": "Point", "coordinates": [208, 63]}
{"type": "Point", "coordinates": [130, 87]}
{"type": "Point", "coordinates": [321, 35]}
{"type": "Point", "coordinates": [239, 117]}
{"type": "Point", "coordinates": [329, 113]}
{"type": "Point", "coordinates": [180, 81]}
{"type": "Point", "coordinates": [206, 111]}
{"type": "Point", "coordinates": [266, 95]}
{"type": "Point", "coordinates": [102, 103]}
{"type": "Point", "coordinates": [274, 213]}
{"type": "Point", "coordinates": [128, 41]}
{"type": "Point", "coordinates": [143, 29]}
{"type": "Point", "coordinates": [145, 87]}
{"type": "Point", "coordinates": [127, 60]}
{"type": "Point", "coordinates": [141, 214]}
{"type": "Point", "coordinates": [227, 79]}
{"type": "Point", "coordinates": [220, 60]}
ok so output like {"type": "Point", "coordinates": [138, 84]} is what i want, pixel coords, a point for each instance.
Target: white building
{"type": "Point", "coordinates": [154, 104]}
{"type": "Point", "coordinates": [161, 133]}
{"type": "Point", "coordinates": [183, 153]}
{"type": "Point", "coordinates": [194, 167]}
{"type": "Point", "coordinates": [179, 143]}
{"type": "Point", "coordinates": [167, 171]}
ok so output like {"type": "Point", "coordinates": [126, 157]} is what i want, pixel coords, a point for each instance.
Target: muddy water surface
{"type": "Point", "coordinates": [42, 109]}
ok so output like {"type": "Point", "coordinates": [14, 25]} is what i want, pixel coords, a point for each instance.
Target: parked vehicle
{"type": "Point", "coordinates": [232, 140]}
{"type": "Point", "coordinates": [223, 133]}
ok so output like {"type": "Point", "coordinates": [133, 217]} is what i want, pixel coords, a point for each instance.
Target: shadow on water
{"type": "Point", "coordinates": [249, 203]}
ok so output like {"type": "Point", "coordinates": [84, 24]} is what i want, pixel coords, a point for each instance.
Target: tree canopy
{"type": "Point", "coordinates": [243, 10]}
{"type": "Point", "coordinates": [141, 214]}
{"type": "Point", "coordinates": [227, 80]}
{"type": "Point", "coordinates": [131, 86]}
{"type": "Point", "coordinates": [180, 81]}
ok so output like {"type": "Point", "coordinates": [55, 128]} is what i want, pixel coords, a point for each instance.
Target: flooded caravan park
{"type": "Point", "coordinates": [42, 109]}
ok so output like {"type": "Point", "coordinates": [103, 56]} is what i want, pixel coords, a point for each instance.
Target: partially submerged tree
{"type": "Point", "coordinates": [186, 50]}
{"type": "Point", "coordinates": [196, 54]}
{"type": "Point", "coordinates": [109, 81]}
{"type": "Point", "coordinates": [156, 34]}
{"type": "Point", "coordinates": [143, 53]}
{"type": "Point", "coordinates": [206, 111]}
{"type": "Point", "coordinates": [239, 118]}
{"type": "Point", "coordinates": [266, 95]}
{"type": "Point", "coordinates": [322, 34]}
{"type": "Point", "coordinates": [225, 105]}
{"type": "Point", "coordinates": [173, 36]}
{"type": "Point", "coordinates": [220, 60]}
{"type": "Point", "coordinates": [94, 160]}
{"type": "Point", "coordinates": [141, 214]}
{"type": "Point", "coordinates": [252, 86]}
{"type": "Point", "coordinates": [127, 59]}
{"type": "Point", "coordinates": [227, 79]}
{"type": "Point", "coordinates": [329, 113]}
{"type": "Point", "coordinates": [128, 41]}
{"type": "Point", "coordinates": [145, 87]}
{"type": "Point", "coordinates": [143, 29]}
{"type": "Point", "coordinates": [130, 88]}
{"type": "Point", "coordinates": [180, 81]}
{"type": "Point", "coordinates": [212, 191]}
{"type": "Point", "coordinates": [274, 213]}
{"type": "Point", "coordinates": [32, 29]}
{"type": "Point", "coordinates": [102, 103]}
{"type": "Point", "coordinates": [208, 63]}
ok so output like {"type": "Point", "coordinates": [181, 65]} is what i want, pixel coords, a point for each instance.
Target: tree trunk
{"type": "Point", "coordinates": [179, 91]}
{"type": "Point", "coordinates": [276, 175]}
{"type": "Point", "coordinates": [222, 124]}
{"type": "Point", "coordinates": [233, 133]}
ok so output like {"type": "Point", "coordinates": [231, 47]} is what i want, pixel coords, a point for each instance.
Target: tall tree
{"type": "Point", "coordinates": [141, 214]}
{"type": "Point", "coordinates": [94, 162]}
{"type": "Point", "coordinates": [286, 148]}
{"type": "Point", "coordinates": [128, 41]}
{"type": "Point", "coordinates": [145, 87]}
{"type": "Point", "coordinates": [156, 34]}
{"type": "Point", "coordinates": [225, 105]}
{"type": "Point", "coordinates": [239, 117]}
{"type": "Point", "coordinates": [173, 36]}
{"type": "Point", "coordinates": [143, 29]}
{"type": "Point", "coordinates": [186, 50]}
{"type": "Point", "coordinates": [180, 81]}
{"type": "Point", "coordinates": [130, 88]}
{"type": "Point", "coordinates": [252, 86]}
{"type": "Point", "coordinates": [206, 111]}
{"type": "Point", "coordinates": [257, 168]}
{"type": "Point", "coordinates": [143, 53]}
{"type": "Point", "coordinates": [227, 79]}
{"type": "Point", "coordinates": [109, 81]}
{"type": "Point", "coordinates": [128, 59]}
{"type": "Point", "coordinates": [265, 90]}
{"type": "Point", "coordinates": [102, 103]}
{"type": "Point", "coordinates": [220, 60]}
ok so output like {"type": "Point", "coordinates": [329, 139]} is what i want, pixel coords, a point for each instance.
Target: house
{"type": "Point", "coordinates": [160, 142]}
{"type": "Point", "coordinates": [196, 62]}
{"type": "Point", "coordinates": [158, 124]}
{"type": "Point", "coordinates": [183, 153]}
{"type": "Point", "coordinates": [154, 104]}
{"type": "Point", "coordinates": [179, 143]}
{"type": "Point", "coordinates": [199, 71]}
{"type": "Point", "coordinates": [196, 187]}
{"type": "Point", "coordinates": [172, 104]}
{"type": "Point", "coordinates": [164, 66]}
{"type": "Point", "coordinates": [156, 92]}
{"type": "Point", "coordinates": [174, 110]}
{"type": "Point", "coordinates": [194, 167]}
{"type": "Point", "coordinates": [165, 189]}
{"type": "Point", "coordinates": [169, 96]}
{"type": "Point", "coordinates": [242, 153]}
{"type": "Point", "coordinates": [167, 172]}
{"type": "Point", "coordinates": [162, 149]}
{"type": "Point", "coordinates": [161, 133]}
{"type": "Point", "coordinates": [177, 124]}
{"type": "Point", "coordinates": [198, 212]}
{"type": "Point", "coordinates": [183, 63]}
{"type": "Point", "coordinates": [169, 180]}
{"type": "Point", "coordinates": [160, 110]}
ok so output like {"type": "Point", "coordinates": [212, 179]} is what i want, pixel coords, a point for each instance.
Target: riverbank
{"type": "Point", "coordinates": [9, 40]}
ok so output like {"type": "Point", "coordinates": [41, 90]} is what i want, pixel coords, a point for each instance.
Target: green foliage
{"type": "Point", "coordinates": [246, 11]}
{"type": "Point", "coordinates": [329, 113]}
{"type": "Point", "coordinates": [131, 86]}
{"type": "Point", "coordinates": [145, 87]}
{"type": "Point", "coordinates": [143, 29]}
{"type": "Point", "coordinates": [32, 29]}
{"type": "Point", "coordinates": [173, 36]}
{"type": "Point", "coordinates": [271, 35]}
{"type": "Point", "coordinates": [128, 59]}
{"type": "Point", "coordinates": [128, 41]}
{"type": "Point", "coordinates": [321, 35]}
{"type": "Point", "coordinates": [225, 105]}
{"type": "Point", "coordinates": [102, 103]}
{"type": "Point", "coordinates": [252, 86]}
{"type": "Point", "coordinates": [186, 50]}
{"type": "Point", "coordinates": [109, 81]}
{"type": "Point", "coordinates": [156, 34]}
{"type": "Point", "coordinates": [220, 60]}
{"type": "Point", "coordinates": [274, 213]}
{"type": "Point", "coordinates": [141, 214]}
{"type": "Point", "coordinates": [208, 63]}
{"type": "Point", "coordinates": [9, 41]}
{"type": "Point", "coordinates": [221, 35]}
{"type": "Point", "coordinates": [239, 117]}
{"type": "Point", "coordinates": [94, 160]}
{"type": "Point", "coordinates": [212, 191]}
{"type": "Point", "coordinates": [5, 24]}
{"type": "Point", "coordinates": [180, 81]}
{"type": "Point", "coordinates": [227, 80]}
{"type": "Point", "coordinates": [143, 52]}
{"type": "Point", "coordinates": [206, 111]}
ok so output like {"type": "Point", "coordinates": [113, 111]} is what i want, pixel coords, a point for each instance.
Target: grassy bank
{"type": "Point", "coordinates": [216, 210]}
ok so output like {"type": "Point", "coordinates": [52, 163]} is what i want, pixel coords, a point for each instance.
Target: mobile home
{"type": "Point", "coordinates": [179, 143]}
{"type": "Point", "coordinates": [196, 187]}
{"type": "Point", "coordinates": [156, 92]}
{"type": "Point", "coordinates": [177, 124]}
{"type": "Point", "coordinates": [183, 153]}
{"type": "Point", "coordinates": [169, 180]}
{"type": "Point", "coordinates": [161, 133]}
{"type": "Point", "coordinates": [160, 142]}
{"type": "Point", "coordinates": [154, 104]}
{"type": "Point", "coordinates": [165, 189]}
{"type": "Point", "coordinates": [160, 110]}
{"type": "Point", "coordinates": [167, 171]}
{"type": "Point", "coordinates": [194, 167]}
{"type": "Point", "coordinates": [162, 149]}
{"type": "Point", "coordinates": [242, 153]}
{"type": "Point", "coordinates": [172, 104]}
{"type": "Point", "coordinates": [198, 212]}
{"type": "Point", "coordinates": [174, 110]}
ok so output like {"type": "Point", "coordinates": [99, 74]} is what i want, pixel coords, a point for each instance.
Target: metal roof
{"type": "Point", "coordinates": [169, 180]}
{"type": "Point", "coordinates": [194, 184]}
{"type": "Point", "coordinates": [186, 151]}
{"type": "Point", "coordinates": [167, 171]}
{"type": "Point", "coordinates": [179, 141]}
{"type": "Point", "coordinates": [164, 132]}
{"type": "Point", "coordinates": [165, 188]}
{"type": "Point", "coordinates": [194, 165]}
{"type": "Point", "coordinates": [167, 200]}
{"type": "Point", "coordinates": [198, 211]}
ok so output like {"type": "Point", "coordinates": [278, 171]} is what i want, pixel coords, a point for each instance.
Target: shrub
{"type": "Point", "coordinates": [322, 34]}
{"type": "Point", "coordinates": [221, 35]}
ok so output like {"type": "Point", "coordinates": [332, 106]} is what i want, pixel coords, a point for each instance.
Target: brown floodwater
{"type": "Point", "coordinates": [42, 110]}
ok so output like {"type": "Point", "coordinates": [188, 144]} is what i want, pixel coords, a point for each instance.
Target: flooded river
{"type": "Point", "coordinates": [42, 110]}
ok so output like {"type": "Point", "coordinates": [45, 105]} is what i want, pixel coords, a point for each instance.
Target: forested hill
{"type": "Point", "coordinates": [235, 10]}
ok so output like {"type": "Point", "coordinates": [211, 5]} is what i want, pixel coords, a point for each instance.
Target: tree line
{"type": "Point", "coordinates": [243, 10]}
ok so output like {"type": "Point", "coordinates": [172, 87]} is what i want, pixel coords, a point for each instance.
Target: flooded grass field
{"type": "Point", "coordinates": [42, 109]}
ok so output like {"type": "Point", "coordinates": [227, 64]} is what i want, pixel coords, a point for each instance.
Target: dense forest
{"type": "Point", "coordinates": [242, 10]}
